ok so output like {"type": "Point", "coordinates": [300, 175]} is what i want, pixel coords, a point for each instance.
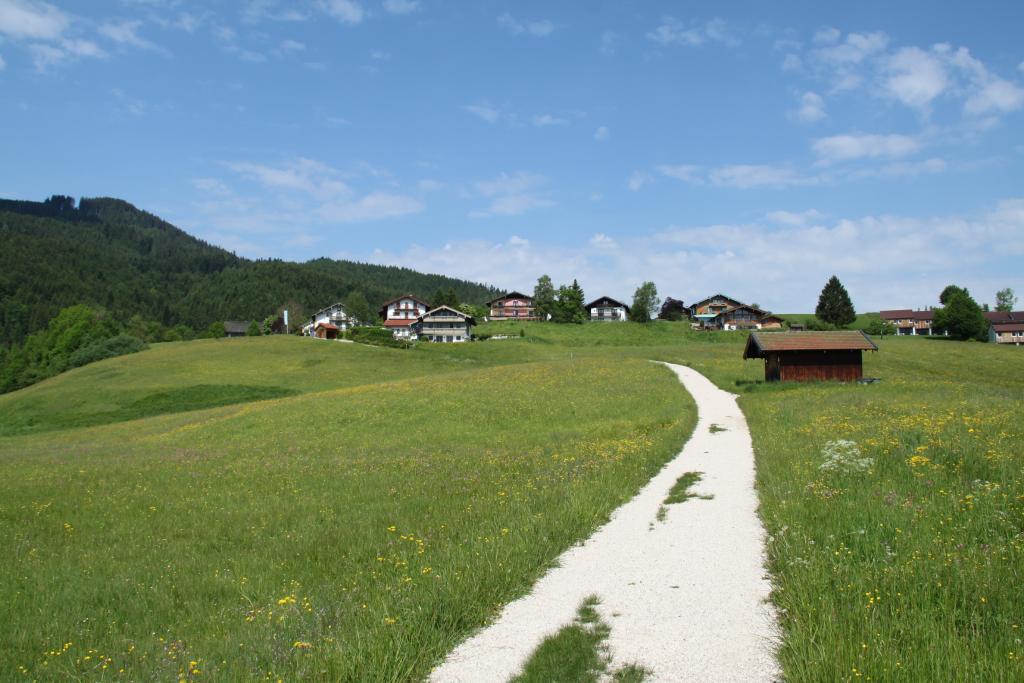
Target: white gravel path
{"type": "Point", "coordinates": [686, 600]}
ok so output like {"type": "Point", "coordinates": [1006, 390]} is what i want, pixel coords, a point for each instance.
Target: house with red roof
{"type": "Point", "coordinates": [399, 315]}
{"type": "Point", "coordinates": [1006, 327]}
{"type": "Point", "coordinates": [911, 323]}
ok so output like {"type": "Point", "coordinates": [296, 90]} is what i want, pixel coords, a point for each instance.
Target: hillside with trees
{"type": "Point", "coordinates": [107, 254]}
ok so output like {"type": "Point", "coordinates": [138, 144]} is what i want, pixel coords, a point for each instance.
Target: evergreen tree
{"type": "Point", "coordinates": [962, 318]}
{"type": "Point", "coordinates": [254, 329]}
{"type": "Point", "coordinates": [569, 304]}
{"type": "Point", "coordinates": [645, 303]}
{"type": "Point", "coordinates": [544, 297]}
{"type": "Point", "coordinates": [1005, 300]}
{"type": "Point", "coordinates": [834, 305]}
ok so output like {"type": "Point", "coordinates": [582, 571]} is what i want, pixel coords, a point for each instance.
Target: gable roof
{"type": "Point", "coordinates": [759, 343]}
{"type": "Point", "coordinates": [734, 302]}
{"type": "Point", "coordinates": [326, 326]}
{"type": "Point", "coordinates": [760, 312]}
{"type": "Point", "coordinates": [510, 295]}
{"type": "Point", "coordinates": [1004, 316]}
{"type": "Point", "coordinates": [404, 296]}
{"type": "Point", "coordinates": [434, 311]}
{"type": "Point", "coordinates": [907, 314]}
{"type": "Point", "coordinates": [1008, 327]}
{"type": "Point", "coordinates": [610, 301]}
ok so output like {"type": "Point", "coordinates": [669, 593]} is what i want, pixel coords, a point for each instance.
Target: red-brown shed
{"type": "Point", "coordinates": [810, 356]}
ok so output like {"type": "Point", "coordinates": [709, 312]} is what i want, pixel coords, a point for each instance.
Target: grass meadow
{"type": "Point", "coordinates": [341, 512]}
{"type": "Point", "coordinates": [355, 533]}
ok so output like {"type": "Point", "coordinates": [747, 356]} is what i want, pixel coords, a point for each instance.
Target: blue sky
{"type": "Point", "coordinates": [751, 148]}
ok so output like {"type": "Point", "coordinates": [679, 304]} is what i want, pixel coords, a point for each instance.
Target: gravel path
{"type": "Point", "coordinates": [687, 599]}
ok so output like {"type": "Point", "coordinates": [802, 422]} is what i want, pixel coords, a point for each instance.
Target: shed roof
{"type": "Point", "coordinates": [843, 340]}
{"type": "Point", "coordinates": [236, 326]}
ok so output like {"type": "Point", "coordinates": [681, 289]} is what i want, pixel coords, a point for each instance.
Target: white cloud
{"type": "Point", "coordinates": [374, 206]}
{"type": "Point", "coordinates": [903, 169]}
{"type": "Point", "coordinates": [746, 176]}
{"type": "Point", "coordinates": [67, 50]}
{"type": "Point", "coordinates": [602, 133]}
{"type": "Point", "coordinates": [812, 108]}
{"type": "Point", "coordinates": [507, 184]}
{"type": "Point", "coordinates": [380, 55]}
{"type": "Point", "coordinates": [127, 33]}
{"type": "Point", "coordinates": [914, 77]}
{"type": "Point", "coordinates": [402, 6]}
{"type": "Point", "coordinates": [637, 180]}
{"type": "Point", "coordinates": [548, 120]}
{"type": "Point", "coordinates": [795, 219]}
{"type": "Point", "coordinates": [34, 20]}
{"type": "Point", "coordinates": [672, 31]}
{"type": "Point", "coordinates": [485, 112]}
{"type": "Point", "coordinates": [685, 172]}
{"type": "Point", "coordinates": [864, 146]}
{"type": "Point", "coordinates": [345, 11]}
{"type": "Point", "coordinates": [868, 253]}
{"type": "Point", "coordinates": [513, 205]}
{"type": "Point", "coordinates": [996, 95]}
{"type": "Point", "coordinates": [609, 43]}
{"type": "Point", "coordinates": [855, 49]}
{"type": "Point", "coordinates": [792, 62]}
{"type": "Point", "coordinates": [314, 178]}
{"type": "Point", "coordinates": [270, 10]}
{"type": "Point", "coordinates": [288, 46]}
{"type": "Point", "coordinates": [827, 36]}
{"type": "Point", "coordinates": [429, 185]}
{"type": "Point", "coordinates": [537, 29]}
{"type": "Point", "coordinates": [511, 194]}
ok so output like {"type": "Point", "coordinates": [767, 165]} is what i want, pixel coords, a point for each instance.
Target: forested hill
{"type": "Point", "coordinates": [107, 253]}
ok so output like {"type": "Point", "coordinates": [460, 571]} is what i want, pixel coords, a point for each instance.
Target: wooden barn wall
{"type": "Point", "coordinates": [809, 366]}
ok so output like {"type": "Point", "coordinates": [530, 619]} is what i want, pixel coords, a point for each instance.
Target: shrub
{"type": "Point", "coordinates": [120, 345]}
{"type": "Point", "coordinates": [878, 327]}
{"type": "Point", "coordinates": [377, 336]}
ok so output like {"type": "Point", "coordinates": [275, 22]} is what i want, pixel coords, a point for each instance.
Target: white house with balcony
{"type": "Point", "coordinates": [334, 315]}
{"type": "Point", "coordinates": [607, 308]}
{"type": "Point", "coordinates": [444, 324]}
{"type": "Point", "coordinates": [400, 313]}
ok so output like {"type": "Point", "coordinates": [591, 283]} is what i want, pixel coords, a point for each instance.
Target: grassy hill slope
{"type": "Point", "coordinates": [385, 503]}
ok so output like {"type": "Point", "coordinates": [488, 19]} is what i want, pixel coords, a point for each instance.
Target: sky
{"type": "Point", "coordinates": [747, 148]}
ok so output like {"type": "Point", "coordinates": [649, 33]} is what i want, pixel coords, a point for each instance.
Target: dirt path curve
{"type": "Point", "coordinates": [687, 599]}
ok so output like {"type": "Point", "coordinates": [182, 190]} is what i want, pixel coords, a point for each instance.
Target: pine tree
{"type": "Point", "coordinates": [834, 305]}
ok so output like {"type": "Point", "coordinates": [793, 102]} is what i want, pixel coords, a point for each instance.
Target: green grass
{"type": "Point", "coordinates": [862, 321]}
{"type": "Point", "coordinates": [186, 529]}
{"type": "Point", "coordinates": [578, 654]}
{"type": "Point", "coordinates": [356, 533]}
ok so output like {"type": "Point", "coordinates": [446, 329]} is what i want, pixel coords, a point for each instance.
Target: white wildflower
{"type": "Point", "coordinates": [843, 455]}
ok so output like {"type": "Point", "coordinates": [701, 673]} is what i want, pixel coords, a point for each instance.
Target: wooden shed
{"type": "Point", "coordinates": [325, 331]}
{"type": "Point", "coordinates": [810, 356]}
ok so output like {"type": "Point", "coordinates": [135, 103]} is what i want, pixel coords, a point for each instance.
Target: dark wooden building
{"type": "Point", "coordinates": [810, 356]}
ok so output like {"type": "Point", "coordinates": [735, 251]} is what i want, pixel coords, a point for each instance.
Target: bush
{"type": "Point", "coordinates": [878, 327]}
{"type": "Point", "coordinates": [120, 345]}
{"type": "Point", "coordinates": [377, 336]}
